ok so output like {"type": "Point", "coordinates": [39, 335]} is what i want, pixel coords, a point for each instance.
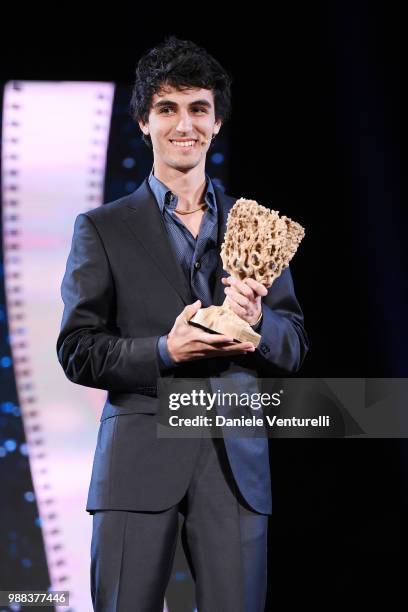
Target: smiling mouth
{"type": "Point", "coordinates": [184, 144]}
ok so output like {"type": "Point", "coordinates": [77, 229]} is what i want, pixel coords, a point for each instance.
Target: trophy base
{"type": "Point", "coordinates": [222, 320]}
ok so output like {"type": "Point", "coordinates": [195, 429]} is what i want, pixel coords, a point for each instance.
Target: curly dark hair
{"type": "Point", "coordinates": [180, 64]}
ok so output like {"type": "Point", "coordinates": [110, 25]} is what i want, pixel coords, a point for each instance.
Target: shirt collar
{"type": "Point", "coordinates": [163, 194]}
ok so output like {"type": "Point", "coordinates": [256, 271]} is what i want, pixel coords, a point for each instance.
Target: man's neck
{"type": "Point", "coordinates": [188, 186]}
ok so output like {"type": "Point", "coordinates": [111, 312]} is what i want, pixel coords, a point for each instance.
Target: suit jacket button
{"type": "Point", "coordinates": [197, 265]}
{"type": "Point", "coordinates": [264, 349]}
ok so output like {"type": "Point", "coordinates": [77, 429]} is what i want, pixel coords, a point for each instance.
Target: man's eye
{"type": "Point", "coordinates": [166, 110]}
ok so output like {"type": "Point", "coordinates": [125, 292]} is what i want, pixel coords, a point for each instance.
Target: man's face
{"type": "Point", "coordinates": [181, 124]}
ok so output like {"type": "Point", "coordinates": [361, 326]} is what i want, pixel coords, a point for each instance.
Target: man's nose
{"type": "Point", "coordinates": [184, 124]}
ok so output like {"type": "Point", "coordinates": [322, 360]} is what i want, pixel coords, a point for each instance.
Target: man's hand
{"type": "Point", "coordinates": [244, 297]}
{"type": "Point", "coordinates": [186, 342]}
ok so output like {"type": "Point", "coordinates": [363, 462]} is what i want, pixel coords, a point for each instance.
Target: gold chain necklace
{"type": "Point", "coordinates": [183, 212]}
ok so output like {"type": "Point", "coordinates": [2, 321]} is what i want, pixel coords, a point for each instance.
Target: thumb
{"type": "Point", "coordinates": [191, 309]}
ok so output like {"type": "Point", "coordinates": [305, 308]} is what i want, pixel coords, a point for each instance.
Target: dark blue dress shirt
{"type": "Point", "coordinates": [197, 256]}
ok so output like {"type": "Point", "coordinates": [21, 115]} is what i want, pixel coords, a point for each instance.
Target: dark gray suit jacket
{"type": "Point", "coordinates": [122, 289]}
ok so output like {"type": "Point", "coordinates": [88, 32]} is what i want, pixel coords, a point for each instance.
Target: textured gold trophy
{"type": "Point", "coordinates": [258, 244]}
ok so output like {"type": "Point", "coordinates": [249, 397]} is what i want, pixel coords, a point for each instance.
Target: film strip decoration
{"type": "Point", "coordinates": [55, 138]}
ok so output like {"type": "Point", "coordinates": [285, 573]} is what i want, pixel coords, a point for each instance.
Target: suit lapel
{"type": "Point", "coordinates": [146, 223]}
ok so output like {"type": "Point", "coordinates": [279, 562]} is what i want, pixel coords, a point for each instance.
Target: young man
{"type": "Point", "coordinates": [138, 270]}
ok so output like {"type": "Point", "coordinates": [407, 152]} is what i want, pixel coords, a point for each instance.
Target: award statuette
{"type": "Point", "coordinates": [258, 244]}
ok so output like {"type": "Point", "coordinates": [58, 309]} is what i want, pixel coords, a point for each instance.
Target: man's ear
{"type": "Point", "coordinates": [217, 126]}
{"type": "Point", "coordinates": [144, 127]}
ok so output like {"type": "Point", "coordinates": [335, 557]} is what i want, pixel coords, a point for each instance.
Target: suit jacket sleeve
{"type": "Point", "coordinates": [89, 347]}
{"type": "Point", "coordinates": [284, 342]}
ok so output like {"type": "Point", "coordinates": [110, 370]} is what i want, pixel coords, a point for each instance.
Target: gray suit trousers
{"type": "Point", "coordinates": [224, 540]}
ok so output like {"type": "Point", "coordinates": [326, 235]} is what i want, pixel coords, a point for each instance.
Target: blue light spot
{"type": "Point", "coordinates": [16, 411]}
{"type": "Point", "coordinates": [10, 445]}
{"type": "Point", "coordinates": [15, 607]}
{"type": "Point", "coordinates": [2, 314]}
{"type": "Point", "coordinates": [5, 362]}
{"type": "Point", "coordinates": [179, 576]}
{"type": "Point", "coordinates": [129, 162]}
{"type": "Point", "coordinates": [3, 451]}
{"type": "Point", "coordinates": [217, 158]}
{"type": "Point", "coordinates": [29, 496]}
{"type": "Point", "coordinates": [24, 449]}
{"type": "Point", "coordinates": [26, 562]}
{"type": "Point", "coordinates": [7, 407]}
{"type": "Point", "coordinates": [38, 522]}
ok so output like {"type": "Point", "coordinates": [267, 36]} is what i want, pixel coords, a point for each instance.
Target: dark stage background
{"type": "Point", "coordinates": [318, 133]}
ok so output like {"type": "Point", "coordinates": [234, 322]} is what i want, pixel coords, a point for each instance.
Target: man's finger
{"type": "Point", "coordinates": [237, 297]}
{"type": "Point", "coordinates": [240, 286]}
{"type": "Point", "coordinates": [214, 352]}
{"type": "Point", "coordinates": [246, 346]}
{"type": "Point", "coordinates": [239, 310]}
{"type": "Point", "coordinates": [241, 346]}
{"type": "Point", "coordinates": [190, 310]}
{"type": "Point", "coordinates": [206, 338]}
{"type": "Point", "coordinates": [256, 286]}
